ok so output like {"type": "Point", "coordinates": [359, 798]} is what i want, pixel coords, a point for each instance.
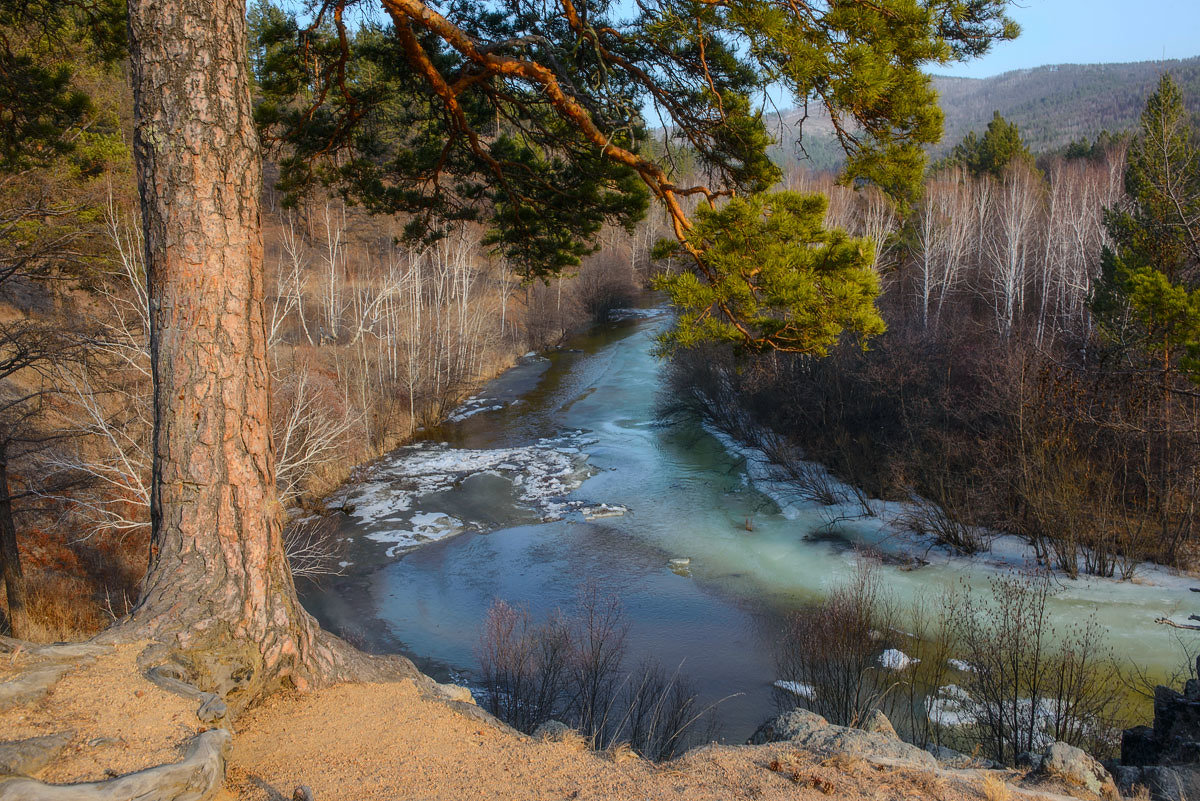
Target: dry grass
{"type": "Point", "coordinates": [61, 608]}
{"type": "Point", "coordinates": [571, 740]}
{"type": "Point", "coordinates": [621, 753]}
{"type": "Point", "coordinates": [928, 784]}
{"type": "Point", "coordinates": [995, 788]}
{"type": "Point", "coordinates": [381, 742]}
{"type": "Point", "coordinates": [845, 763]}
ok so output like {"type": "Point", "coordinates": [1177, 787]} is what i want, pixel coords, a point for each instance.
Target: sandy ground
{"type": "Point", "coordinates": [122, 722]}
{"type": "Point", "coordinates": [359, 742]}
{"type": "Point", "coordinates": [363, 742]}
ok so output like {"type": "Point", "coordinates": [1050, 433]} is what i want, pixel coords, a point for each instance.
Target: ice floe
{"type": "Point", "coordinates": [602, 510]}
{"type": "Point", "coordinates": [541, 474]}
{"type": "Point", "coordinates": [796, 688]}
{"type": "Point", "coordinates": [615, 315]}
{"type": "Point", "coordinates": [474, 405]}
{"type": "Point", "coordinates": [951, 706]}
{"type": "Point", "coordinates": [895, 659]}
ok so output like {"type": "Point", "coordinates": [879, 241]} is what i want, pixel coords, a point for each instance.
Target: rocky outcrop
{"type": "Point", "coordinates": [1165, 758]}
{"type": "Point", "coordinates": [811, 732]}
{"type": "Point", "coordinates": [454, 692]}
{"type": "Point", "coordinates": [788, 726]}
{"type": "Point", "coordinates": [878, 723]}
{"type": "Point", "coordinates": [1063, 764]}
{"type": "Point", "coordinates": [1175, 737]}
{"type": "Point", "coordinates": [1163, 783]}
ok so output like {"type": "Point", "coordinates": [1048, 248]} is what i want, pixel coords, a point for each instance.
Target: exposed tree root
{"type": "Point", "coordinates": [28, 756]}
{"type": "Point", "coordinates": [56, 652]}
{"type": "Point", "coordinates": [52, 662]}
{"type": "Point", "coordinates": [31, 685]}
{"type": "Point", "coordinates": [218, 665]}
{"type": "Point", "coordinates": [221, 673]}
{"type": "Point", "coordinates": [198, 776]}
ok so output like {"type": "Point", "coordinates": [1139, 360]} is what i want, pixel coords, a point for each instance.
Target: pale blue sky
{"type": "Point", "coordinates": [1090, 31]}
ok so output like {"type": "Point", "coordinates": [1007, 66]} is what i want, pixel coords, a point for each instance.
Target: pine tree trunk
{"type": "Point", "coordinates": [16, 624]}
{"type": "Point", "coordinates": [218, 588]}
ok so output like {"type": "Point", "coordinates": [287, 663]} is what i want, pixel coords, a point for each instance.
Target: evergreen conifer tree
{"type": "Point", "coordinates": [1148, 299]}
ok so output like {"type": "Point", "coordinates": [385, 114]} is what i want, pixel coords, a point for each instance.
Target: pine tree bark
{"type": "Point", "coordinates": [16, 623]}
{"type": "Point", "coordinates": [218, 589]}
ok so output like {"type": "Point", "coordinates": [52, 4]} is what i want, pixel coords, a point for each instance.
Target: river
{"type": "Point", "coordinates": [557, 477]}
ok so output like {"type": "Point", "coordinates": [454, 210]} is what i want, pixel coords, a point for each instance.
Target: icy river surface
{"type": "Point", "coordinates": [558, 477]}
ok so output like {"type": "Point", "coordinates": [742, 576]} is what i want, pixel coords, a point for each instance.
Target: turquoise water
{"type": "Point", "coordinates": [686, 496]}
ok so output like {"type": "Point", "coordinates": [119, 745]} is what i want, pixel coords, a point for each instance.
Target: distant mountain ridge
{"type": "Point", "coordinates": [1052, 105]}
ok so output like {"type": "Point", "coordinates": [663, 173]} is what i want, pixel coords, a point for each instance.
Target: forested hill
{"type": "Point", "coordinates": [1052, 105]}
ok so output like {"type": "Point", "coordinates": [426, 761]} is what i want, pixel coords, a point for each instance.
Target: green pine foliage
{"type": "Point", "coordinates": [544, 194]}
{"type": "Point", "coordinates": [528, 117]}
{"type": "Point", "coordinates": [1096, 150]}
{"type": "Point", "coordinates": [61, 139]}
{"type": "Point", "coordinates": [46, 47]}
{"type": "Point", "coordinates": [991, 154]}
{"type": "Point", "coordinates": [777, 280]}
{"type": "Point", "coordinates": [1148, 298]}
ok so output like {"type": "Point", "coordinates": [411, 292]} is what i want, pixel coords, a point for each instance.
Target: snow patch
{"type": "Point", "coordinates": [881, 525]}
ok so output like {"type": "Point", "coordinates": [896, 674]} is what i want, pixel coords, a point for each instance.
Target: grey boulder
{"type": "Point", "coordinates": [1072, 766]}
{"type": "Point", "coordinates": [811, 732]}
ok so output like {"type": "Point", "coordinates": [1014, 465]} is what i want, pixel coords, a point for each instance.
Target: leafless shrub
{"type": "Point", "coordinates": [570, 669]}
{"type": "Point", "coordinates": [598, 634]}
{"type": "Point", "coordinates": [604, 283]}
{"type": "Point", "coordinates": [933, 644]}
{"type": "Point", "coordinates": [812, 481]}
{"type": "Point", "coordinates": [660, 711]}
{"type": "Point", "coordinates": [310, 423]}
{"type": "Point", "coordinates": [833, 648]}
{"type": "Point", "coordinates": [524, 666]}
{"type": "Point", "coordinates": [938, 520]}
{"type": "Point", "coordinates": [1033, 682]}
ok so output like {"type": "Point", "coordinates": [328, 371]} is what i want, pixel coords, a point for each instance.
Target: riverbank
{"type": "Point", "coordinates": [707, 557]}
{"type": "Point", "coordinates": [358, 742]}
